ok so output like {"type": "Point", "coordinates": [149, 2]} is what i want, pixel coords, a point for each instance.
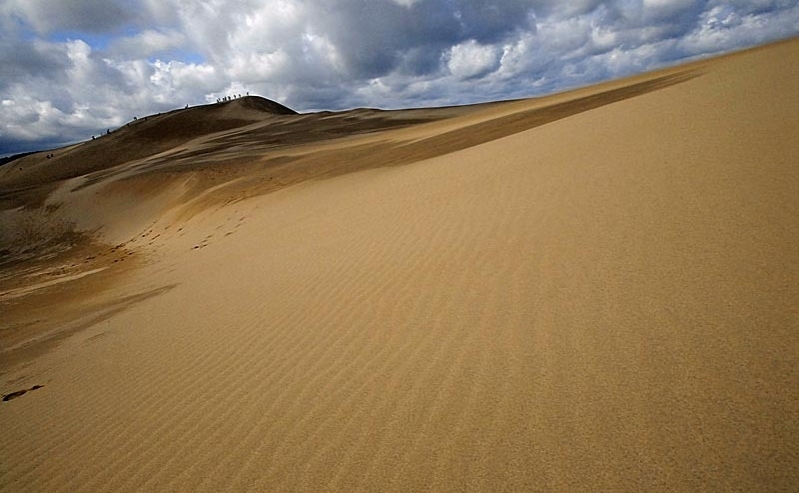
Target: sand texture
{"type": "Point", "coordinates": [594, 291]}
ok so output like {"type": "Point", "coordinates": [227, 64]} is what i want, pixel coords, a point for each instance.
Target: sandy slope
{"type": "Point", "coordinates": [604, 302]}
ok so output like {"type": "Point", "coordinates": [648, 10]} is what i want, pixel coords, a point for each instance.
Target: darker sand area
{"type": "Point", "coordinates": [593, 291]}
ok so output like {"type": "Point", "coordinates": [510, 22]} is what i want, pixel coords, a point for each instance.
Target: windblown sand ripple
{"type": "Point", "coordinates": [606, 302]}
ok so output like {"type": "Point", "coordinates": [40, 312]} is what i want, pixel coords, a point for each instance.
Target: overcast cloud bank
{"type": "Point", "coordinates": [73, 69]}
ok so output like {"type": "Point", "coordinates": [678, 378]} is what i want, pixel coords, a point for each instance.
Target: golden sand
{"type": "Point", "coordinates": [595, 291]}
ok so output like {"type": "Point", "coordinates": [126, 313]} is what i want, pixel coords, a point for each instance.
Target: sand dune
{"type": "Point", "coordinates": [594, 291]}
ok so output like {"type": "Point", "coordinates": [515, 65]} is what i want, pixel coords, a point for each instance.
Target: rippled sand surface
{"type": "Point", "coordinates": [595, 291]}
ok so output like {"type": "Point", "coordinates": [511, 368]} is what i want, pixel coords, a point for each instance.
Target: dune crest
{"type": "Point", "coordinates": [594, 291]}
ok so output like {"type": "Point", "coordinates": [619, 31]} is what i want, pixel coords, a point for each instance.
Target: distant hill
{"type": "Point", "coordinates": [189, 123]}
{"type": "Point", "coordinates": [258, 103]}
{"type": "Point", "coordinates": [8, 159]}
{"type": "Point", "coordinates": [150, 135]}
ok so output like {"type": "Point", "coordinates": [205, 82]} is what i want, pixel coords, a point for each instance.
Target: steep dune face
{"type": "Point", "coordinates": [595, 291]}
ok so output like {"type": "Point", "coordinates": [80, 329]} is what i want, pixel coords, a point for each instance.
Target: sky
{"type": "Point", "coordinates": [70, 69]}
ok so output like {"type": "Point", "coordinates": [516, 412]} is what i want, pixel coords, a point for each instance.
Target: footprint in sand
{"type": "Point", "coordinates": [20, 393]}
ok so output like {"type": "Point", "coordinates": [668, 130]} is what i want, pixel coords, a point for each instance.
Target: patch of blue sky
{"type": "Point", "coordinates": [176, 55]}
{"type": "Point", "coordinates": [97, 41]}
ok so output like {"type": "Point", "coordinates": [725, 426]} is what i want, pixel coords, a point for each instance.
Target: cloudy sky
{"type": "Point", "coordinates": [73, 68]}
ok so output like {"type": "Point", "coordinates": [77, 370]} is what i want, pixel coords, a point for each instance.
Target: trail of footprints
{"type": "Point", "coordinates": [232, 223]}
{"type": "Point", "coordinates": [206, 241]}
{"type": "Point", "coordinates": [120, 254]}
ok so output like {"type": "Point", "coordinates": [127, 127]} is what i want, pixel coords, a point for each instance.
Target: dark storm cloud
{"type": "Point", "coordinates": [375, 37]}
{"type": "Point", "coordinates": [23, 60]}
{"type": "Point", "coordinates": [75, 68]}
{"type": "Point", "coordinates": [90, 16]}
{"type": "Point", "coordinates": [490, 22]}
{"type": "Point", "coordinates": [368, 34]}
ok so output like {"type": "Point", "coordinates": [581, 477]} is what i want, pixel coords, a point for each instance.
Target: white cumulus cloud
{"type": "Point", "coordinates": [471, 59]}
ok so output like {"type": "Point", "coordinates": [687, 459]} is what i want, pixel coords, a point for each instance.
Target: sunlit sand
{"type": "Point", "coordinates": [593, 291]}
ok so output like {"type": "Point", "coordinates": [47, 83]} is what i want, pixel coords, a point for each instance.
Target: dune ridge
{"type": "Point", "coordinates": [591, 292]}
